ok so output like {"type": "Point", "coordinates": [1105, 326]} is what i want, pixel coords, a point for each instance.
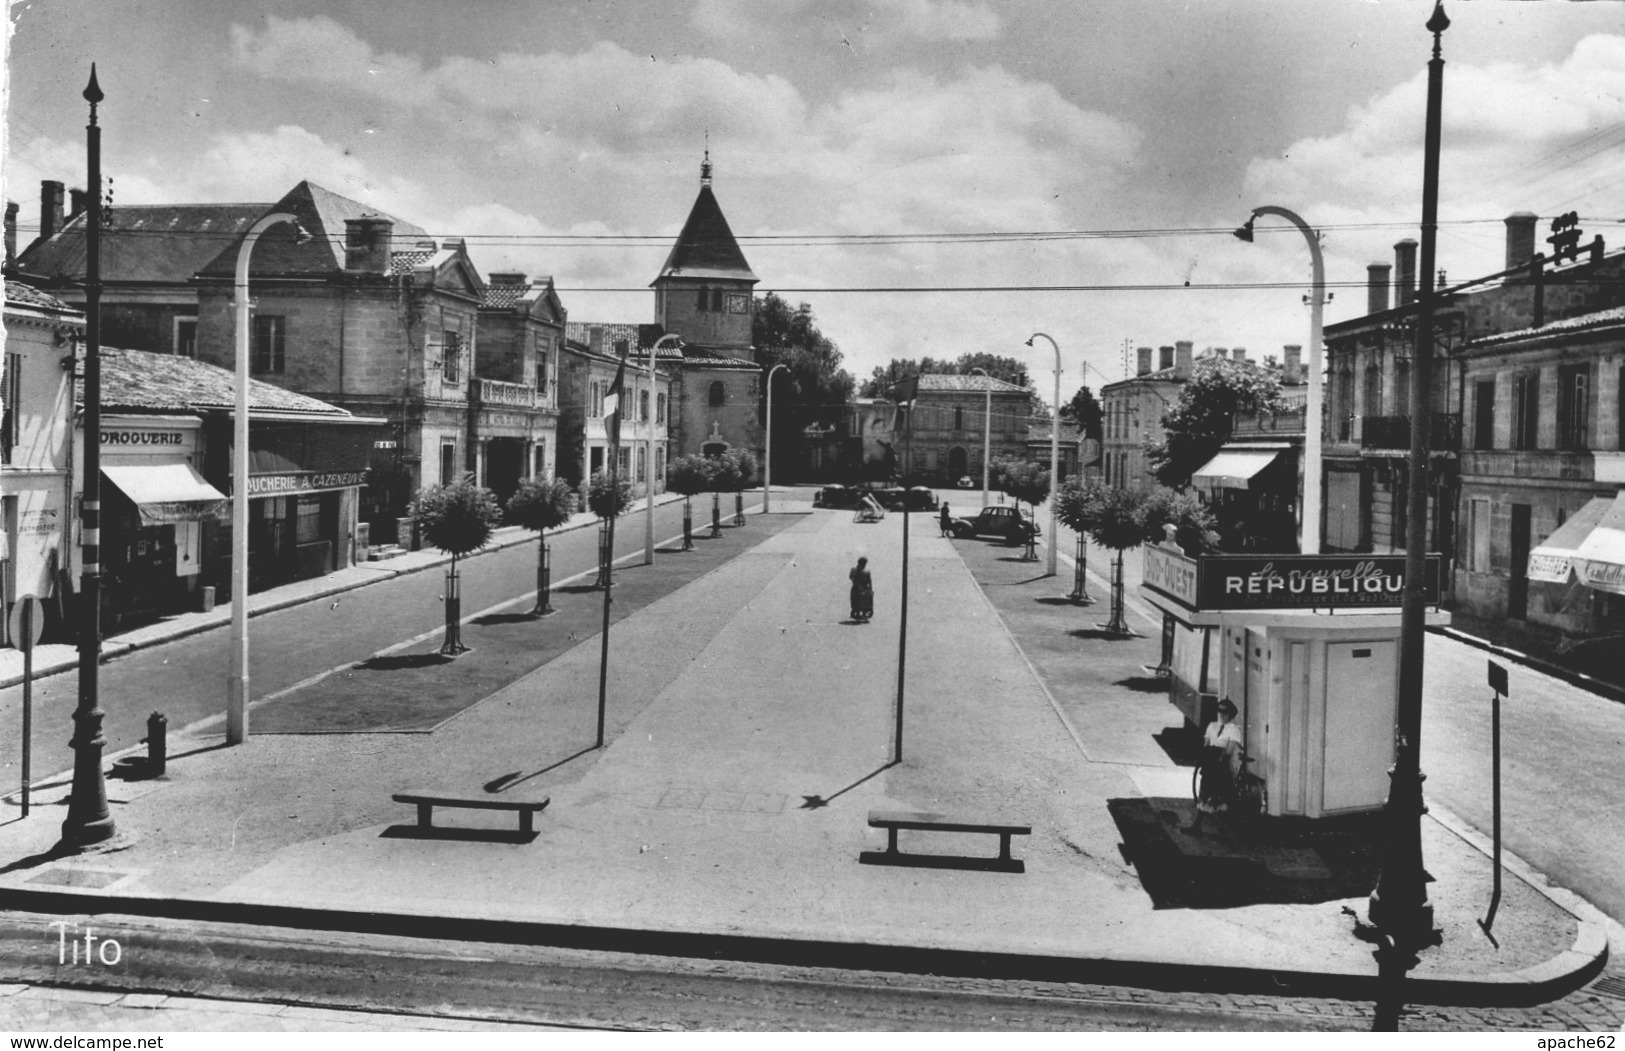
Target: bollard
{"type": "Point", "coordinates": [157, 744]}
{"type": "Point", "coordinates": [688, 527]}
{"type": "Point", "coordinates": [716, 516]}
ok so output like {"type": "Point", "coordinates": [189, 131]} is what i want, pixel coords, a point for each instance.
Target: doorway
{"type": "Point", "coordinates": [1518, 582]}
{"type": "Point", "coordinates": [1359, 735]}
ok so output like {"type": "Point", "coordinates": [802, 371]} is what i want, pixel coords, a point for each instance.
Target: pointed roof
{"type": "Point", "coordinates": [322, 213]}
{"type": "Point", "coordinates": [706, 247]}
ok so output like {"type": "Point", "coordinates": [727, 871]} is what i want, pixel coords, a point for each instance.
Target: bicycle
{"type": "Point", "coordinates": [1244, 794]}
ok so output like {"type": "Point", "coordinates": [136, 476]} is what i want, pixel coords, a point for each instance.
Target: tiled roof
{"type": "Point", "coordinates": [322, 214]}
{"type": "Point", "coordinates": [28, 295]}
{"type": "Point", "coordinates": [146, 242]}
{"type": "Point", "coordinates": [1600, 319]}
{"type": "Point", "coordinates": [945, 381]}
{"type": "Point", "coordinates": [638, 336]}
{"type": "Point", "coordinates": [406, 262]}
{"type": "Point", "coordinates": [504, 295]}
{"type": "Point", "coordinates": [139, 379]}
{"type": "Point", "coordinates": [706, 247]}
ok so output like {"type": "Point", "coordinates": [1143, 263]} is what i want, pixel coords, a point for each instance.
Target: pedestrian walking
{"type": "Point", "coordinates": [863, 591]}
{"type": "Point", "coordinates": [947, 521]}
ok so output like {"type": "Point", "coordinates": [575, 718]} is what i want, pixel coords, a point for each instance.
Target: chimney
{"type": "Point", "coordinates": [11, 232]}
{"type": "Point", "coordinates": [509, 277]}
{"type": "Point", "coordinates": [1165, 358]}
{"type": "Point", "coordinates": [1291, 356]}
{"type": "Point", "coordinates": [1145, 361]}
{"type": "Point", "coordinates": [595, 339]}
{"type": "Point", "coordinates": [1376, 284]}
{"type": "Point", "coordinates": [50, 208]}
{"type": "Point", "coordinates": [369, 244]}
{"type": "Point", "coordinates": [77, 202]}
{"type": "Point", "coordinates": [1404, 273]}
{"type": "Point", "coordinates": [1182, 359]}
{"type": "Point", "coordinates": [1520, 238]}
{"type": "Point", "coordinates": [1239, 354]}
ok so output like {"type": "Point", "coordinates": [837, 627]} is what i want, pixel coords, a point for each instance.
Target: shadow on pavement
{"type": "Point", "coordinates": [1180, 743]}
{"type": "Point", "coordinates": [1225, 865]}
{"type": "Point", "coordinates": [1144, 684]}
{"type": "Point", "coordinates": [469, 835]}
{"type": "Point", "coordinates": [403, 662]}
{"type": "Point", "coordinates": [815, 802]}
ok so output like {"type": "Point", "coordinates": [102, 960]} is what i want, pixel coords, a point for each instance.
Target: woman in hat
{"type": "Point", "coordinates": [1221, 752]}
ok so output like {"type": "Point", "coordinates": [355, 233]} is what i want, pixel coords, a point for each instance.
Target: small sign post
{"type": "Point", "coordinates": [1498, 683]}
{"type": "Point", "coordinates": [26, 625]}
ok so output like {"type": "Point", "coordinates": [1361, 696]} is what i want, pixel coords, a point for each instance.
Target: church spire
{"type": "Point", "coordinates": [705, 165]}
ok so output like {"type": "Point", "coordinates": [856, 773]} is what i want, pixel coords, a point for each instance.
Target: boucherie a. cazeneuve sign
{"type": "Point", "coordinates": [1307, 581]}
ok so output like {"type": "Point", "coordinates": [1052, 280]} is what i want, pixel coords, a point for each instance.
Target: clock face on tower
{"type": "Point", "coordinates": [738, 303]}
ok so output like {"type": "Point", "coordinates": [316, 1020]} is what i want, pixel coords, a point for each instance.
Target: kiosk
{"type": "Point", "coordinates": [1307, 648]}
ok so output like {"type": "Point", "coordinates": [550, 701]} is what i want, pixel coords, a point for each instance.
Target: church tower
{"type": "Point", "coordinates": [705, 291]}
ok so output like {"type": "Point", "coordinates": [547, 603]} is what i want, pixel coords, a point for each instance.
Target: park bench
{"type": "Point", "coordinates": [427, 799]}
{"type": "Point", "coordinates": [895, 821]}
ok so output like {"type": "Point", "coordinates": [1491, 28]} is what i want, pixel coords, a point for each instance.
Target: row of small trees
{"type": "Point", "coordinates": [459, 517]}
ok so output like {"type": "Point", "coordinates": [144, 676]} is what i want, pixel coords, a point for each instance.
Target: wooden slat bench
{"type": "Point", "coordinates": [894, 821]}
{"type": "Point", "coordinates": [427, 799]}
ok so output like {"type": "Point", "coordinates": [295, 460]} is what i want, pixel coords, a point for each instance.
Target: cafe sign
{"type": "Point", "coordinates": [1260, 582]}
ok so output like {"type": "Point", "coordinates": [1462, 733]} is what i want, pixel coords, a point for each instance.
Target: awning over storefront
{"type": "Point", "coordinates": [1553, 560]}
{"type": "Point", "coordinates": [1235, 468]}
{"type": "Point", "coordinates": [1600, 558]}
{"type": "Point", "coordinates": [165, 493]}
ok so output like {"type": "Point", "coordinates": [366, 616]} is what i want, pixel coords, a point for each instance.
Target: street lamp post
{"type": "Point", "coordinates": [237, 685]}
{"type": "Point", "coordinates": [1054, 450]}
{"type": "Point", "coordinates": [1309, 534]}
{"type": "Point", "coordinates": [767, 457]}
{"type": "Point", "coordinates": [649, 456]}
{"type": "Point", "coordinates": [987, 431]}
{"type": "Point", "coordinates": [89, 820]}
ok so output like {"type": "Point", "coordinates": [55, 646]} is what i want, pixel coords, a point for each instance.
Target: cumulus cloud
{"type": "Point", "coordinates": [850, 23]}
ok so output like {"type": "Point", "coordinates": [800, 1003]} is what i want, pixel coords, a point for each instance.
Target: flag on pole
{"type": "Point", "coordinates": [612, 406]}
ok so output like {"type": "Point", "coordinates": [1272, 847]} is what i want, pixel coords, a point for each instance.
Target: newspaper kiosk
{"type": "Point", "coordinates": [1307, 648]}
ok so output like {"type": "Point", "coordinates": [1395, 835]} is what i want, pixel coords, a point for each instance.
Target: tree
{"type": "Point", "coordinates": [1115, 518]}
{"type": "Point", "coordinates": [607, 501]}
{"type": "Point", "coordinates": [1199, 424]}
{"type": "Point", "coordinates": [1195, 529]}
{"type": "Point", "coordinates": [814, 388]}
{"type": "Point", "coordinates": [539, 504]}
{"type": "Point", "coordinates": [1084, 411]}
{"type": "Point", "coordinates": [689, 475]}
{"type": "Point", "coordinates": [457, 518]}
{"type": "Point", "coordinates": [1023, 480]}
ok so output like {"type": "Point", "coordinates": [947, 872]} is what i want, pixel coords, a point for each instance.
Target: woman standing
{"type": "Point", "coordinates": [863, 591]}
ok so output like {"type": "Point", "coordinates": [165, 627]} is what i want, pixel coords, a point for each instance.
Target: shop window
{"type": "Point", "coordinates": [308, 524]}
{"type": "Point", "coordinates": [1526, 411]}
{"type": "Point", "coordinates": [11, 426]}
{"type": "Point", "coordinates": [1573, 407]}
{"type": "Point", "coordinates": [1484, 414]}
{"type": "Point", "coordinates": [719, 393]}
{"type": "Point", "coordinates": [451, 356]}
{"type": "Point", "coordinates": [185, 343]}
{"type": "Point", "coordinates": [448, 462]}
{"type": "Point", "coordinates": [269, 344]}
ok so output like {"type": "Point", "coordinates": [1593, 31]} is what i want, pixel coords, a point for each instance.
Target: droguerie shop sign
{"type": "Point", "coordinates": [1226, 582]}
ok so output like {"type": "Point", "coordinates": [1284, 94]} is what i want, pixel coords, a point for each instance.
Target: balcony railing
{"type": "Point", "coordinates": [1394, 432]}
{"type": "Point", "coordinates": [496, 392]}
{"type": "Point", "coordinates": [1249, 425]}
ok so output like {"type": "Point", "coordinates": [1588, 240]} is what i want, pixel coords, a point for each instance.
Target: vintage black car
{"type": "Point", "coordinates": [840, 497]}
{"type": "Point", "coordinates": [1005, 522]}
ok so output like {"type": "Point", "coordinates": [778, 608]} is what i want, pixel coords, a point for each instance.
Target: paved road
{"type": "Point", "coordinates": [230, 976]}
{"type": "Point", "coordinates": [186, 679]}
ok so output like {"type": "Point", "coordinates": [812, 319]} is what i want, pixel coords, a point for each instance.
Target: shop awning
{"type": "Point", "coordinates": [1600, 559]}
{"type": "Point", "coordinates": [165, 493]}
{"type": "Point", "coordinates": [1553, 559]}
{"type": "Point", "coordinates": [1235, 468]}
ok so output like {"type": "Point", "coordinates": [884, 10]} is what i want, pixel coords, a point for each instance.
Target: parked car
{"type": "Point", "coordinates": [840, 497]}
{"type": "Point", "coordinates": [1005, 522]}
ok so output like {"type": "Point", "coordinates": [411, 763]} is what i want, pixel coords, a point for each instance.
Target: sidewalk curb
{"type": "Point", "coordinates": [1556, 671]}
{"type": "Point", "coordinates": [1527, 988]}
{"type": "Point", "coordinates": [111, 648]}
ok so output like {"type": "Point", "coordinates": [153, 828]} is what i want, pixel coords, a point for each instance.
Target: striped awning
{"type": "Point", "coordinates": [1552, 561]}
{"type": "Point", "coordinates": [166, 493]}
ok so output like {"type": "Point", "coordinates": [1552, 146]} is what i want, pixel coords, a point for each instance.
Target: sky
{"type": "Point", "coordinates": [933, 177]}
